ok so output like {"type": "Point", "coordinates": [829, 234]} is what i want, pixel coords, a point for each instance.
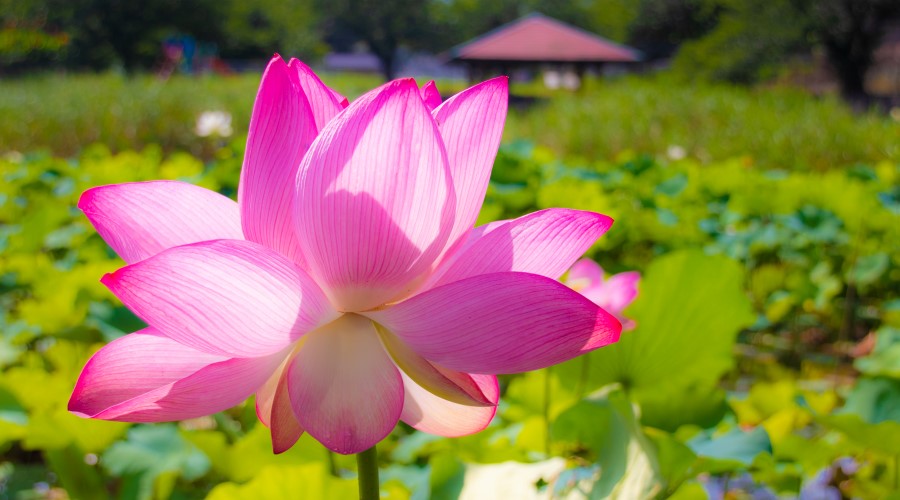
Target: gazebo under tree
{"type": "Point", "coordinates": [539, 42]}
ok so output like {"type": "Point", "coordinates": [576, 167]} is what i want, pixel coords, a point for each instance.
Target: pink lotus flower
{"type": "Point", "coordinates": [346, 288]}
{"type": "Point", "coordinates": [613, 294]}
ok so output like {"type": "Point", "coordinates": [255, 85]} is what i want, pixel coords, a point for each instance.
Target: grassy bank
{"type": "Point", "coordinates": [771, 128]}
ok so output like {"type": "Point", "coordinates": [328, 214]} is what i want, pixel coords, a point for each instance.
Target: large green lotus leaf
{"type": "Point", "coordinates": [80, 479]}
{"type": "Point", "coordinates": [9, 433]}
{"type": "Point", "coordinates": [700, 403]}
{"type": "Point", "coordinates": [10, 347]}
{"type": "Point", "coordinates": [253, 452]}
{"type": "Point", "coordinates": [406, 481]}
{"type": "Point", "coordinates": [410, 447]}
{"type": "Point", "coordinates": [870, 415]}
{"type": "Point", "coordinates": [213, 444]}
{"type": "Point", "coordinates": [689, 310]}
{"type": "Point", "coordinates": [151, 452]}
{"type": "Point", "coordinates": [733, 450]}
{"type": "Point", "coordinates": [43, 394]}
{"type": "Point", "coordinates": [607, 426]}
{"type": "Point", "coordinates": [810, 453]}
{"type": "Point", "coordinates": [58, 429]}
{"type": "Point", "coordinates": [890, 313]}
{"type": "Point", "coordinates": [689, 491]}
{"type": "Point", "coordinates": [885, 358]}
{"type": "Point", "coordinates": [673, 186]}
{"type": "Point", "coordinates": [883, 437]}
{"type": "Point", "coordinates": [527, 395]}
{"type": "Point", "coordinates": [869, 268]}
{"type": "Point", "coordinates": [276, 482]}
{"type": "Point", "coordinates": [502, 441]}
{"type": "Point", "coordinates": [675, 459]}
{"type": "Point", "coordinates": [574, 193]}
{"type": "Point", "coordinates": [36, 389]}
{"type": "Point", "coordinates": [11, 411]}
{"type": "Point", "coordinates": [875, 400]}
{"type": "Point", "coordinates": [447, 476]}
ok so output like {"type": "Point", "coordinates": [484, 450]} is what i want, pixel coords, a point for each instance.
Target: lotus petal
{"type": "Point", "coordinates": [447, 384]}
{"type": "Point", "coordinates": [324, 102]}
{"type": "Point", "coordinates": [430, 95]}
{"type": "Point", "coordinates": [375, 199]}
{"type": "Point", "coordinates": [227, 297]}
{"type": "Point", "coordinates": [282, 127]}
{"type": "Point", "coordinates": [344, 388]}
{"type": "Point", "coordinates": [615, 293]}
{"type": "Point", "coordinates": [585, 272]}
{"type": "Point", "coordinates": [471, 124]}
{"type": "Point", "coordinates": [141, 219]}
{"type": "Point", "coordinates": [265, 395]}
{"type": "Point", "coordinates": [435, 415]}
{"type": "Point", "coordinates": [545, 242]}
{"type": "Point", "coordinates": [148, 377]}
{"type": "Point", "coordinates": [285, 429]}
{"type": "Point", "coordinates": [500, 323]}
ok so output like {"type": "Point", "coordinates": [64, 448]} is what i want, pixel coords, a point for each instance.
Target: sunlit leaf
{"type": "Point", "coordinates": [151, 451]}
{"type": "Point", "coordinates": [732, 450]}
{"type": "Point", "coordinates": [253, 452]}
{"type": "Point", "coordinates": [689, 309]}
{"type": "Point", "coordinates": [869, 268]}
{"type": "Point", "coordinates": [885, 357]}
{"type": "Point", "coordinates": [874, 400]}
{"type": "Point", "coordinates": [607, 427]}
{"type": "Point", "coordinates": [447, 476]}
{"type": "Point", "coordinates": [277, 482]}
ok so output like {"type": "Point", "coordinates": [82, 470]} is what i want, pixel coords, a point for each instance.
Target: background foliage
{"type": "Point", "coordinates": [739, 41]}
{"type": "Point", "coordinates": [765, 221]}
{"type": "Point", "coordinates": [766, 359]}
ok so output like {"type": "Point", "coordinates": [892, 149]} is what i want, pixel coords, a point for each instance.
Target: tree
{"type": "Point", "coordinates": [850, 31]}
{"type": "Point", "coordinates": [255, 29]}
{"type": "Point", "coordinates": [751, 39]}
{"type": "Point", "coordinates": [103, 33]}
{"type": "Point", "coordinates": [457, 21]}
{"type": "Point", "coordinates": [661, 26]}
{"type": "Point", "coordinates": [384, 25]}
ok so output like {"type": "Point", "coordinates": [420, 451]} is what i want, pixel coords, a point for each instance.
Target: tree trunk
{"type": "Point", "coordinates": [851, 74]}
{"type": "Point", "coordinates": [851, 31]}
{"type": "Point", "coordinates": [388, 71]}
{"type": "Point", "coordinates": [386, 52]}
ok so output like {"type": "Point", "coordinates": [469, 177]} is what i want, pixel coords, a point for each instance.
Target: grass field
{"type": "Point", "coordinates": [770, 127]}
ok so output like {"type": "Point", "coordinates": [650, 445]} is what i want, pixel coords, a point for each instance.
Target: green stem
{"type": "Point", "coordinates": [332, 465]}
{"type": "Point", "coordinates": [897, 472]}
{"type": "Point", "coordinates": [367, 466]}
{"type": "Point", "coordinates": [546, 411]}
{"type": "Point", "coordinates": [581, 386]}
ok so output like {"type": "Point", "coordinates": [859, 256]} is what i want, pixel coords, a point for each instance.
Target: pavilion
{"type": "Point", "coordinates": [540, 43]}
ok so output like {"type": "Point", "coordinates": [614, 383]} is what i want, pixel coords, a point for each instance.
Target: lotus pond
{"type": "Point", "coordinates": [765, 362]}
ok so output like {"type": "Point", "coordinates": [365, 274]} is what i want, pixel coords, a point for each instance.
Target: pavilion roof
{"type": "Point", "coordinates": [538, 38]}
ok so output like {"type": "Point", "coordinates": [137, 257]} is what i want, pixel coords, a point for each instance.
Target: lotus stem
{"type": "Point", "coordinates": [897, 472]}
{"type": "Point", "coordinates": [367, 467]}
{"type": "Point", "coordinates": [546, 411]}
{"type": "Point", "coordinates": [332, 465]}
{"type": "Point", "coordinates": [581, 386]}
